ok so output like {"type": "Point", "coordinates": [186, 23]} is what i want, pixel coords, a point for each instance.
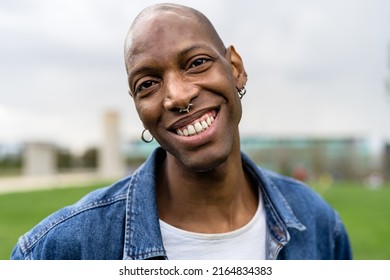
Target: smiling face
{"type": "Point", "coordinates": [174, 58]}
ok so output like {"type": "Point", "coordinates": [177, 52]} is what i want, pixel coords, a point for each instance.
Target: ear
{"type": "Point", "coordinates": [239, 72]}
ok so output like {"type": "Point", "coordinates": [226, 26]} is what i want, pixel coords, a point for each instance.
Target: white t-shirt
{"type": "Point", "coordinates": [245, 243]}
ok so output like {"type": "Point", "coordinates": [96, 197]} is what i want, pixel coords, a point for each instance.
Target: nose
{"type": "Point", "coordinates": [179, 92]}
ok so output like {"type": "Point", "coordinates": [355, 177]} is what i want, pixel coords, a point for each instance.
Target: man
{"type": "Point", "coordinates": [198, 196]}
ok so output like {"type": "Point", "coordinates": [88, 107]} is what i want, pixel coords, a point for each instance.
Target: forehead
{"type": "Point", "coordinates": [158, 34]}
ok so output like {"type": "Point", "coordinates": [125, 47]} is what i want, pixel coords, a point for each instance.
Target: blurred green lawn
{"type": "Point", "coordinates": [19, 212]}
{"type": "Point", "coordinates": [366, 215]}
{"type": "Point", "coordinates": [365, 212]}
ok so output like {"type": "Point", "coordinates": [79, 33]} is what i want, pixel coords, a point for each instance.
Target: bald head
{"type": "Point", "coordinates": [190, 18]}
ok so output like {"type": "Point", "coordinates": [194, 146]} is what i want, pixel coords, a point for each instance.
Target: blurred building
{"type": "Point", "coordinates": [111, 162]}
{"type": "Point", "coordinates": [303, 158]}
{"type": "Point", "coordinates": [342, 158]}
{"type": "Point", "coordinates": [39, 159]}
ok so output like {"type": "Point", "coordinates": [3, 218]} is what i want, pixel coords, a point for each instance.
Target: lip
{"type": "Point", "coordinates": [188, 119]}
{"type": "Point", "coordinates": [196, 140]}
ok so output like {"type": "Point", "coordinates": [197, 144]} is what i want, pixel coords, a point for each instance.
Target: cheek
{"type": "Point", "coordinates": [221, 81]}
{"type": "Point", "coordinates": [148, 113]}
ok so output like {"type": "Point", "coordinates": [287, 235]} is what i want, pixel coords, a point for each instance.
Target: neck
{"type": "Point", "coordinates": [218, 200]}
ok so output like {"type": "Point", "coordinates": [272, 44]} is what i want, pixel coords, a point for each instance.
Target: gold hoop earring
{"type": "Point", "coordinates": [149, 139]}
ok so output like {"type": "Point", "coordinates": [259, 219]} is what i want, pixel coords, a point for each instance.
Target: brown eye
{"type": "Point", "coordinates": [198, 62]}
{"type": "Point", "coordinates": [145, 85]}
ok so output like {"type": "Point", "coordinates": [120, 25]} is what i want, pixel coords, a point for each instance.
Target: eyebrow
{"type": "Point", "coordinates": [141, 69]}
{"type": "Point", "coordinates": [182, 53]}
{"type": "Point", "coordinates": [194, 47]}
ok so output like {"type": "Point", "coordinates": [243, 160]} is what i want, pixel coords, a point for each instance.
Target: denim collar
{"type": "Point", "coordinates": [143, 238]}
{"type": "Point", "coordinates": [274, 199]}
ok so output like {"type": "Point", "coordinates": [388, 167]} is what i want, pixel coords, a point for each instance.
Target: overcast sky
{"type": "Point", "coordinates": [316, 68]}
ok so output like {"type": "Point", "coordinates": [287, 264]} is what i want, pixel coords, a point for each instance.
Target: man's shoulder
{"type": "Point", "coordinates": [92, 213]}
{"type": "Point", "coordinates": [103, 196]}
{"type": "Point", "coordinates": [298, 194]}
{"type": "Point", "coordinates": [283, 182]}
{"type": "Point", "coordinates": [277, 183]}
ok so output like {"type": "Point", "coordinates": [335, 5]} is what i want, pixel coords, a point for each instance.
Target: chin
{"type": "Point", "coordinates": [207, 157]}
{"type": "Point", "coordinates": [205, 163]}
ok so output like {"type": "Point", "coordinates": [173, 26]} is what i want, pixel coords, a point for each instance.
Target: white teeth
{"type": "Point", "coordinates": [197, 127]}
{"type": "Point", "coordinates": [191, 129]}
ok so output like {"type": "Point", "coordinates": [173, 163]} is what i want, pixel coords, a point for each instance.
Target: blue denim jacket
{"type": "Point", "coordinates": [121, 222]}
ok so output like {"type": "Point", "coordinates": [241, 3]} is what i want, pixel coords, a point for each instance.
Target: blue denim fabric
{"type": "Point", "coordinates": [121, 222]}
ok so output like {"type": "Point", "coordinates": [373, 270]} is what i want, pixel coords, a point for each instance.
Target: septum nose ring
{"type": "Point", "coordinates": [186, 109]}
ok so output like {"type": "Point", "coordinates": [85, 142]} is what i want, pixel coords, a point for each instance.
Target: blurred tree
{"type": "Point", "coordinates": [64, 159]}
{"type": "Point", "coordinates": [386, 162]}
{"type": "Point", "coordinates": [10, 160]}
{"type": "Point", "coordinates": [89, 158]}
{"type": "Point", "coordinates": [10, 164]}
{"type": "Point", "coordinates": [387, 81]}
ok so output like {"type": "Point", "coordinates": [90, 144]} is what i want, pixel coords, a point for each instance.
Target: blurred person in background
{"type": "Point", "coordinates": [197, 196]}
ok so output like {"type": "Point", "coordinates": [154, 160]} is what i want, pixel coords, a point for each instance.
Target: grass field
{"type": "Point", "coordinates": [366, 214]}
{"type": "Point", "coordinates": [19, 212]}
